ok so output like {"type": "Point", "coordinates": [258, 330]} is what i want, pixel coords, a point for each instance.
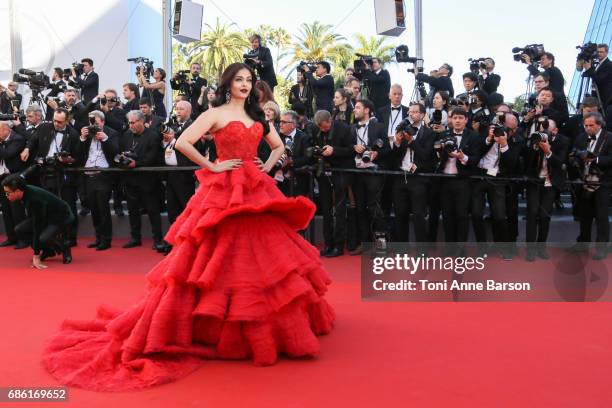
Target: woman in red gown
{"type": "Point", "coordinates": [239, 282]}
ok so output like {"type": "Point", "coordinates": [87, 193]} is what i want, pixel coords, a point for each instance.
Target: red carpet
{"type": "Point", "coordinates": [386, 354]}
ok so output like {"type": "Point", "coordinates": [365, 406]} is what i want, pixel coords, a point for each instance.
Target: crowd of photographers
{"type": "Point", "coordinates": [444, 154]}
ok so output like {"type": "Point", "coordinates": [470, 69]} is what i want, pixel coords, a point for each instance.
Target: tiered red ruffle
{"type": "Point", "coordinates": [239, 283]}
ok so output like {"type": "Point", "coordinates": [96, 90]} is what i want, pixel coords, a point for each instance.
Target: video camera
{"type": "Point", "coordinates": [402, 54]}
{"type": "Point", "coordinates": [37, 81]}
{"type": "Point", "coordinates": [533, 51]}
{"type": "Point", "coordinates": [20, 116]}
{"type": "Point", "coordinates": [362, 64]}
{"type": "Point", "coordinates": [588, 53]}
{"type": "Point", "coordinates": [144, 66]}
{"type": "Point", "coordinates": [476, 64]}
{"type": "Point", "coordinates": [302, 64]}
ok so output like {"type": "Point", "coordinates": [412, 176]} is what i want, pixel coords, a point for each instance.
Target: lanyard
{"type": "Point", "coordinates": [395, 119]}
{"type": "Point", "coordinates": [365, 134]}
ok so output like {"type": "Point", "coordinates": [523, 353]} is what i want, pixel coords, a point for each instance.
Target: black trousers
{"type": "Point", "coordinates": [540, 201]}
{"type": "Point", "coordinates": [51, 238]}
{"type": "Point", "coordinates": [98, 192]}
{"type": "Point", "coordinates": [67, 191]}
{"type": "Point", "coordinates": [118, 192]}
{"type": "Point", "coordinates": [455, 196]}
{"type": "Point", "coordinates": [367, 189]}
{"type": "Point", "coordinates": [434, 208]}
{"type": "Point", "coordinates": [495, 193]}
{"type": "Point", "coordinates": [332, 198]}
{"type": "Point", "coordinates": [147, 198]}
{"type": "Point", "coordinates": [179, 189]}
{"type": "Point", "coordinates": [512, 206]}
{"type": "Point", "coordinates": [595, 206]}
{"type": "Point", "coordinates": [410, 193]}
{"type": "Point", "coordinates": [13, 213]}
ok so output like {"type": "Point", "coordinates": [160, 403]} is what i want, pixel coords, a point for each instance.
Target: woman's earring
{"type": "Point", "coordinates": [227, 97]}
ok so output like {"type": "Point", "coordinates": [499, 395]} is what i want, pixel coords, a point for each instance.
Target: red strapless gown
{"type": "Point", "coordinates": [239, 283]}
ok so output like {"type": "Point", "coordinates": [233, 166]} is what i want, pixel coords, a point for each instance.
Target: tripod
{"type": "Point", "coordinates": [37, 99]}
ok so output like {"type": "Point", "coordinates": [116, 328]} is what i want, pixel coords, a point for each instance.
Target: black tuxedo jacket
{"type": "Point", "coordinates": [10, 150]}
{"type": "Point", "coordinates": [339, 137]}
{"type": "Point", "coordinates": [490, 83]}
{"type": "Point", "coordinates": [148, 148]}
{"type": "Point", "coordinates": [384, 115]}
{"type": "Point", "coordinates": [556, 77]}
{"type": "Point", "coordinates": [603, 79]}
{"type": "Point", "coordinates": [535, 157]}
{"type": "Point", "coordinates": [379, 85]}
{"type": "Point", "coordinates": [376, 131]}
{"type": "Point", "coordinates": [39, 146]}
{"type": "Point", "coordinates": [265, 68]}
{"type": "Point", "coordinates": [301, 141]}
{"type": "Point", "coordinates": [110, 147]}
{"type": "Point", "coordinates": [471, 145]}
{"type": "Point", "coordinates": [89, 86]}
{"type": "Point", "coordinates": [508, 160]}
{"type": "Point", "coordinates": [424, 155]}
{"type": "Point", "coordinates": [604, 147]}
{"type": "Point", "coordinates": [442, 83]}
{"type": "Point", "coordinates": [115, 119]}
{"type": "Point", "coordinates": [323, 90]}
{"type": "Point", "coordinates": [134, 104]}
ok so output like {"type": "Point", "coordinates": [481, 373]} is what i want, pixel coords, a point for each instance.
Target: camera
{"type": "Point", "coordinates": [483, 118]}
{"type": "Point", "coordinates": [366, 156]}
{"type": "Point", "coordinates": [104, 100]}
{"type": "Point", "coordinates": [20, 116]}
{"type": "Point", "coordinates": [436, 118]}
{"type": "Point", "coordinates": [542, 123]}
{"type": "Point", "coordinates": [314, 152]}
{"type": "Point", "coordinates": [588, 53]}
{"type": "Point", "coordinates": [533, 51]}
{"type": "Point", "coordinates": [250, 57]}
{"type": "Point", "coordinates": [537, 137]}
{"type": "Point", "coordinates": [37, 81]}
{"type": "Point", "coordinates": [311, 67]}
{"type": "Point", "coordinates": [144, 66]}
{"type": "Point", "coordinates": [476, 64]}
{"type": "Point", "coordinates": [285, 156]}
{"type": "Point", "coordinates": [499, 129]}
{"type": "Point", "coordinates": [52, 161]}
{"type": "Point", "coordinates": [406, 126]}
{"type": "Point", "coordinates": [361, 65]}
{"type": "Point", "coordinates": [448, 144]}
{"type": "Point", "coordinates": [169, 124]}
{"type": "Point", "coordinates": [92, 129]}
{"type": "Point", "coordinates": [403, 55]}
{"type": "Point", "coordinates": [124, 159]}
{"type": "Point", "coordinates": [460, 101]}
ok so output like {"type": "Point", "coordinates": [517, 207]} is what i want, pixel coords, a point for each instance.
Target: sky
{"type": "Point", "coordinates": [452, 31]}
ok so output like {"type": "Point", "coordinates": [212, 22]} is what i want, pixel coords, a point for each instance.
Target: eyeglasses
{"type": "Point", "coordinates": [286, 121]}
{"type": "Point", "coordinates": [133, 122]}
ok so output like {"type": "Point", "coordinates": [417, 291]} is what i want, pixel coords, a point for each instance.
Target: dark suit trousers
{"type": "Point", "coordinates": [98, 192]}
{"type": "Point", "coordinates": [51, 237]}
{"type": "Point", "coordinates": [179, 189]}
{"type": "Point", "coordinates": [332, 197]}
{"type": "Point", "coordinates": [455, 195]}
{"type": "Point", "coordinates": [13, 213]}
{"type": "Point", "coordinates": [410, 193]}
{"type": "Point", "coordinates": [495, 192]}
{"type": "Point", "coordinates": [595, 206]}
{"type": "Point", "coordinates": [512, 206]}
{"type": "Point", "coordinates": [147, 198]}
{"type": "Point", "coordinates": [68, 193]}
{"type": "Point", "coordinates": [540, 201]}
{"type": "Point", "coordinates": [433, 201]}
{"type": "Point", "coordinates": [370, 217]}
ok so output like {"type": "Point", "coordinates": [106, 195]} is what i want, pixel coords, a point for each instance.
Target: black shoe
{"type": "Point", "coordinates": [579, 247]}
{"type": "Point", "coordinates": [543, 254]}
{"type": "Point", "coordinates": [7, 243]}
{"type": "Point", "coordinates": [599, 255]}
{"type": "Point", "coordinates": [530, 256]}
{"type": "Point", "coordinates": [325, 251]}
{"type": "Point", "coordinates": [119, 212]}
{"type": "Point", "coordinates": [94, 244]}
{"type": "Point", "coordinates": [22, 245]}
{"type": "Point", "coordinates": [103, 246]}
{"type": "Point", "coordinates": [66, 256]}
{"type": "Point", "coordinates": [46, 254]}
{"type": "Point", "coordinates": [159, 246]}
{"type": "Point", "coordinates": [356, 251]}
{"type": "Point", "coordinates": [132, 243]}
{"type": "Point", "coordinates": [334, 252]}
{"type": "Point", "coordinates": [70, 243]}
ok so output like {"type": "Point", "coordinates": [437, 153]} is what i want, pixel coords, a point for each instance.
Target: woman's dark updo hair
{"type": "Point", "coordinates": [251, 105]}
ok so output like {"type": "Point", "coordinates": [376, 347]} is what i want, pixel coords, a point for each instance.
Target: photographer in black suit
{"type": "Point", "coordinates": [602, 76]}
{"type": "Point", "coordinates": [142, 188]}
{"type": "Point", "coordinates": [459, 151]}
{"type": "Point", "coordinates": [547, 61]}
{"type": "Point", "coordinates": [439, 81]}
{"type": "Point", "coordinates": [114, 115]}
{"type": "Point", "coordinates": [391, 115]}
{"type": "Point", "coordinates": [11, 145]}
{"type": "Point", "coordinates": [545, 154]}
{"type": "Point", "coordinates": [88, 81]}
{"type": "Point", "coordinates": [488, 81]}
{"type": "Point", "coordinates": [288, 181]}
{"type": "Point", "coordinates": [190, 87]}
{"type": "Point", "coordinates": [132, 95]}
{"type": "Point", "coordinates": [332, 147]}
{"type": "Point", "coordinates": [323, 86]}
{"type": "Point", "coordinates": [262, 61]}
{"type": "Point", "coordinates": [413, 152]}
{"type": "Point", "coordinates": [54, 147]}
{"type": "Point", "coordinates": [593, 154]}
{"type": "Point", "coordinates": [34, 118]}
{"type": "Point", "coordinates": [379, 84]}
{"type": "Point", "coordinates": [370, 142]}
{"type": "Point", "coordinates": [98, 145]}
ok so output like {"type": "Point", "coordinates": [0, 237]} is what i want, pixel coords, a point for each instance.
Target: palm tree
{"type": "Point", "coordinates": [218, 48]}
{"type": "Point", "coordinates": [316, 42]}
{"type": "Point", "coordinates": [280, 39]}
{"type": "Point", "coordinates": [376, 47]}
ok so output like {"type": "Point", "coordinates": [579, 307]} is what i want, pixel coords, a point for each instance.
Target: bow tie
{"type": "Point", "coordinates": [359, 126]}
{"type": "Point", "coordinates": [458, 134]}
{"type": "Point", "coordinates": [398, 108]}
{"type": "Point", "coordinates": [593, 138]}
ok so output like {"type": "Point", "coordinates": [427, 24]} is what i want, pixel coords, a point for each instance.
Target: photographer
{"type": "Point", "coordinates": [323, 87]}
{"type": "Point", "coordinates": [98, 145]}
{"type": "Point", "coordinates": [132, 95]}
{"type": "Point", "coordinates": [9, 98]}
{"type": "Point", "coordinates": [353, 85]}
{"type": "Point", "coordinates": [332, 147]}
{"type": "Point", "coordinates": [413, 152]}
{"type": "Point", "coordinates": [547, 61]}
{"type": "Point", "coordinates": [459, 151]}
{"type": "Point", "coordinates": [470, 82]}
{"type": "Point", "coordinates": [440, 81]}
{"type": "Point", "coordinates": [11, 144]}
{"type": "Point", "coordinates": [142, 146]}
{"type": "Point", "coordinates": [260, 58]}
{"type": "Point", "coordinates": [498, 159]}
{"type": "Point", "coordinates": [379, 82]}
{"type": "Point", "coordinates": [155, 90]}
{"type": "Point", "coordinates": [180, 185]}
{"type": "Point", "coordinates": [190, 87]}
{"type": "Point", "coordinates": [370, 142]}
{"type": "Point", "coordinates": [602, 76]}
{"type": "Point", "coordinates": [152, 121]}
{"type": "Point", "coordinates": [48, 219]}
{"type": "Point", "coordinates": [88, 81]}
{"type": "Point", "coordinates": [391, 115]}
{"type": "Point", "coordinates": [593, 152]}
{"type": "Point", "coordinates": [58, 87]}
{"type": "Point", "coordinates": [488, 81]}
{"type": "Point", "coordinates": [53, 148]}
{"type": "Point", "coordinates": [28, 130]}
{"type": "Point", "coordinates": [540, 81]}
{"type": "Point", "coordinates": [114, 115]}
{"type": "Point", "coordinates": [544, 107]}
{"type": "Point", "coordinates": [76, 109]}
{"type": "Point", "coordinates": [545, 154]}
